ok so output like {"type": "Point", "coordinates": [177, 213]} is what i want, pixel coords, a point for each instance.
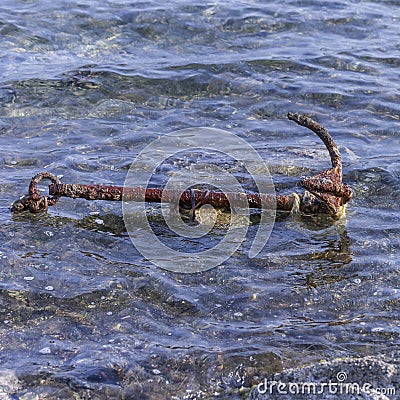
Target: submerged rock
{"type": "Point", "coordinates": [368, 378]}
{"type": "Point", "coordinates": [9, 384]}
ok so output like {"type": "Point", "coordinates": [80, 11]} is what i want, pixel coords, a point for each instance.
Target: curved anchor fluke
{"type": "Point", "coordinates": [326, 188]}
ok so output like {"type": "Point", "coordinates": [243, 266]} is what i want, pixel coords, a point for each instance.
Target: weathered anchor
{"type": "Point", "coordinates": [325, 192]}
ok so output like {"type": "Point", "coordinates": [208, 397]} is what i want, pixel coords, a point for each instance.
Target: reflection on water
{"type": "Point", "coordinates": [85, 87]}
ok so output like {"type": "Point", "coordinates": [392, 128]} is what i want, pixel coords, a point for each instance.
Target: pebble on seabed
{"type": "Point", "coordinates": [45, 350]}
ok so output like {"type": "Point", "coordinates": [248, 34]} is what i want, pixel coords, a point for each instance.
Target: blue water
{"type": "Point", "coordinates": [85, 85]}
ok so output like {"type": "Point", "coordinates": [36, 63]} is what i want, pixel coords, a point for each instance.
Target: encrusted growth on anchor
{"type": "Point", "coordinates": [328, 193]}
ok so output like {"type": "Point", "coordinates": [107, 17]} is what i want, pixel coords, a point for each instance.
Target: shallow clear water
{"type": "Point", "coordinates": [85, 85]}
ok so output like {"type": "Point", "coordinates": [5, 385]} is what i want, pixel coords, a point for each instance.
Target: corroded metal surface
{"type": "Point", "coordinates": [325, 191]}
{"type": "Point", "coordinates": [157, 195]}
{"type": "Point", "coordinates": [32, 201]}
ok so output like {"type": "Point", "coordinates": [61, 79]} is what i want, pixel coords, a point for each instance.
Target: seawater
{"type": "Point", "coordinates": [85, 85]}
